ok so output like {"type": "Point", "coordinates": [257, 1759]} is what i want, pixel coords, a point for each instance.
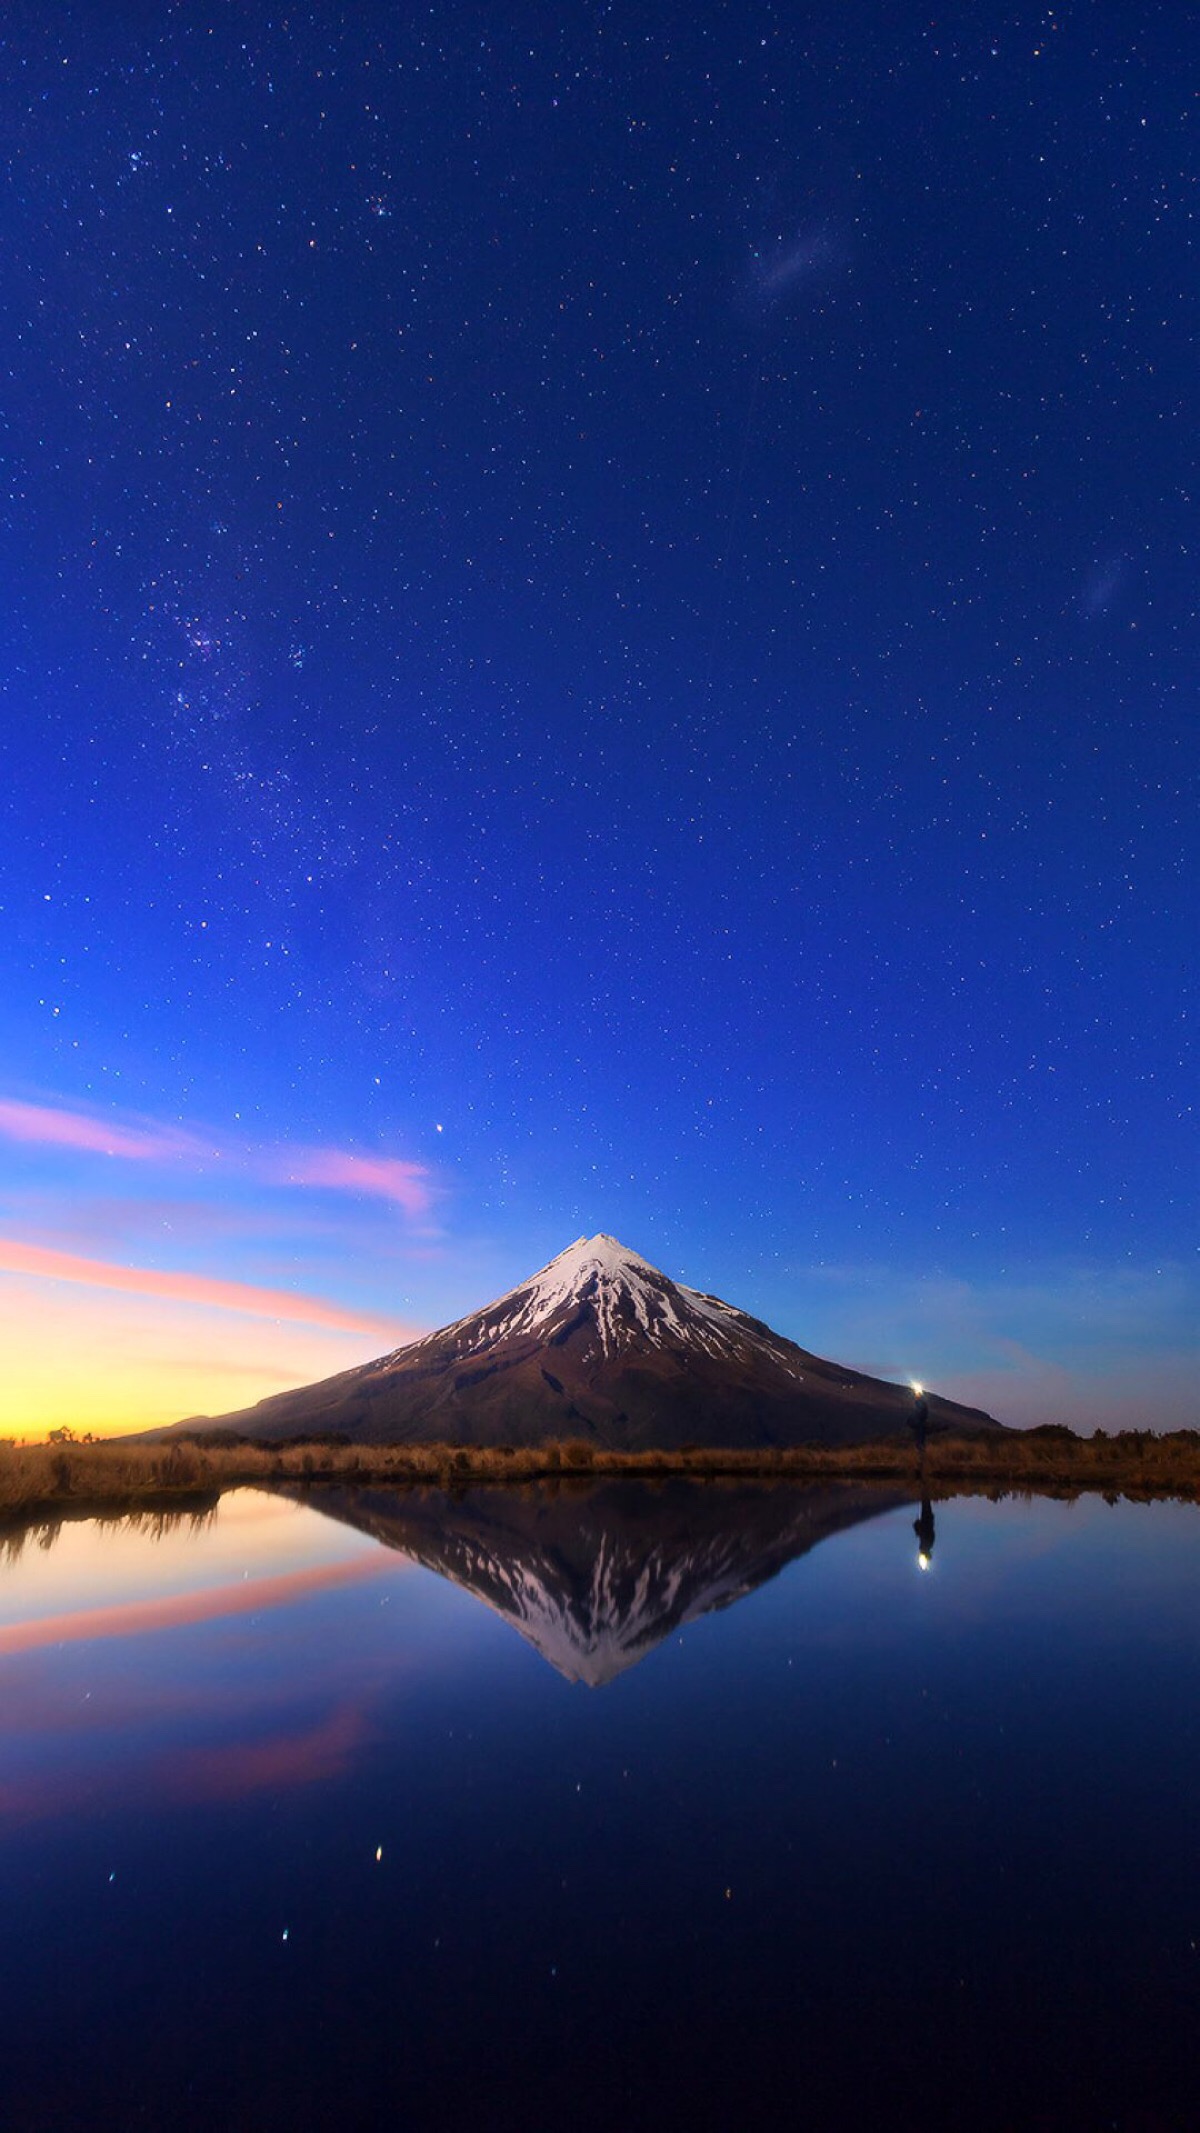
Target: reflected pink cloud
{"type": "Point", "coordinates": [43, 1798]}
{"type": "Point", "coordinates": [306, 1755]}
{"type": "Point", "coordinates": [310, 1756]}
{"type": "Point", "coordinates": [17, 1257]}
{"type": "Point", "coordinates": [36, 1709]}
{"type": "Point", "coordinates": [133, 1618]}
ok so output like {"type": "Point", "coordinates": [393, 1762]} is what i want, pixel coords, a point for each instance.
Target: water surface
{"type": "Point", "coordinates": [630, 1807]}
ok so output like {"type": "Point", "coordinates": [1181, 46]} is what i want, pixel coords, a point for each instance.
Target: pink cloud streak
{"type": "Point", "coordinates": [52, 1126]}
{"type": "Point", "coordinates": [17, 1257]}
{"type": "Point", "coordinates": [338, 1170]}
{"type": "Point", "coordinates": [145, 1141]}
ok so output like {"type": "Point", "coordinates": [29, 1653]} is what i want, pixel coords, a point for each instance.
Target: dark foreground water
{"type": "Point", "coordinates": [753, 1822]}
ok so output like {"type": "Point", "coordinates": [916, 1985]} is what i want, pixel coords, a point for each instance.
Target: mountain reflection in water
{"type": "Point", "coordinates": [293, 1834]}
{"type": "Point", "coordinates": [595, 1576]}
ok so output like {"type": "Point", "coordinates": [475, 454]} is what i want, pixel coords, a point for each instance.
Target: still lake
{"type": "Point", "coordinates": [719, 1812]}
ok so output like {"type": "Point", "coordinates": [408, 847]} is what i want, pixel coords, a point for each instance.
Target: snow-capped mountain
{"type": "Point", "coordinates": [623, 1302]}
{"type": "Point", "coordinates": [595, 1576]}
{"type": "Point", "coordinates": [602, 1346]}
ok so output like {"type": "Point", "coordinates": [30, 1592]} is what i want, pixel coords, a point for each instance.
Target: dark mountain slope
{"type": "Point", "coordinates": [599, 1345]}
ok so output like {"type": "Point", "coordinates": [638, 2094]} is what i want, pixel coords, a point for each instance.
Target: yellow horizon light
{"type": "Point", "coordinates": [113, 1363]}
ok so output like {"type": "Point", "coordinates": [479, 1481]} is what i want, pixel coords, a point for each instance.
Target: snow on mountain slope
{"type": "Point", "coordinates": [601, 1346]}
{"type": "Point", "coordinates": [595, 1578]}
{"type": "Point", "coordinates": [632, 1304]}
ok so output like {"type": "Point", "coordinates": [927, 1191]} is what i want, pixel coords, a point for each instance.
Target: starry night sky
{"type": "Point", "coordinates": [599, 632]}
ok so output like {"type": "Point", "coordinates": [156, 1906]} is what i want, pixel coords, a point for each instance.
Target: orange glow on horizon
{"type": "Point", "coordinates": [85, 1356]}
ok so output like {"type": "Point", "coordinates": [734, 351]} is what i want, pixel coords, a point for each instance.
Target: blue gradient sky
{"type": "Point", "coordinates": [600, 633]}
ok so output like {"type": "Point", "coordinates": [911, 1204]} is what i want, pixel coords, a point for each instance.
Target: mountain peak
{"type": "Point", "coordinates": [625, 1297]}
{"type": "Point", "coordinates": [601, 1254]}
{"type": "Point", "coordinates": [595, 1582]}
{"type": "Point", "coordinates": [601, 1249]}
{"type": "Point", "coordinates": [601, 1345]}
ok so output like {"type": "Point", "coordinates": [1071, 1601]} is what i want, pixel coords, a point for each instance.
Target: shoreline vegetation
{"type": "Point", "coordinates": [114, 1475]}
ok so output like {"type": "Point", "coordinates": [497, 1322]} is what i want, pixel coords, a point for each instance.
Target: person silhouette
{"type": "Point", "coordinates": [918, 1420]}
{"type": "Point", "coordinates": [924, 1529]}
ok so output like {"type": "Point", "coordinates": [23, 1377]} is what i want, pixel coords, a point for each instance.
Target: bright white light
{"type": "Point", "coordinates": [918, 1389]}
{"type": "Point", "coordinates": [923, 1562]}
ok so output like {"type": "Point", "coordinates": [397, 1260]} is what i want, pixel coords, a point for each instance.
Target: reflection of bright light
{"type": "Point", "coordinates": [923, 1561]}
{"type": "Point", "coordinates": [918, 1389]}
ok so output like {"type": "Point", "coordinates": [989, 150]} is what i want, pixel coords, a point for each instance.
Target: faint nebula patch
{"type": "Point", "coordinates": [1102, 584]}
{"type": "Point", "coordinates": [783, 266]}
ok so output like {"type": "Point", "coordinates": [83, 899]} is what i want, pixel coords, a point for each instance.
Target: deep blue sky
{"type": "Point", "coordinates": [602, 601]}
